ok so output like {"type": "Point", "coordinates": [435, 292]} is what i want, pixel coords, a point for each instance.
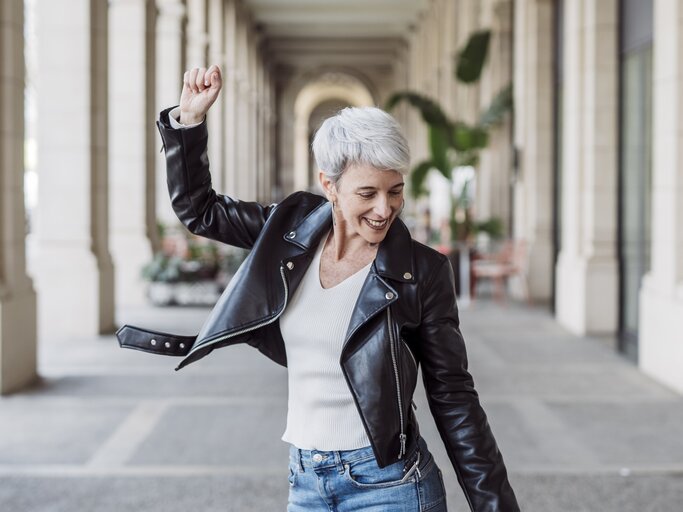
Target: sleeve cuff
{"type": "Point", "coordinates": [173, 119]}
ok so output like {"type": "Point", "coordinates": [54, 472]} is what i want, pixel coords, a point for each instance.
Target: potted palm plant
{"type": "Point", "coordinates": [455, 144]}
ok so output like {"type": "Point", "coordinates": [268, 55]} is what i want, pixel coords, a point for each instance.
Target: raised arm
{"type": "Point", "coordinates": [203, 211]}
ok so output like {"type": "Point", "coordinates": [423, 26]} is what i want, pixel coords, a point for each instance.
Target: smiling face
{"type": "Point", "coordinates": [368, 200]}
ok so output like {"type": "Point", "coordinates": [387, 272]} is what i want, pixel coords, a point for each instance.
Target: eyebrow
{"type": "Point", "coordinates": [402, 184]}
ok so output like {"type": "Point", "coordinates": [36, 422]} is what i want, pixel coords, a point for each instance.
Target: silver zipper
{"type": "Point", "coordinates": [402, 436]}
{"type": "Point", "coordinates": [254, 327]}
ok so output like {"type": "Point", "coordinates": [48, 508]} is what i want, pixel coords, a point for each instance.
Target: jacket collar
{"type": "Point", "coordinates": [395, 253]}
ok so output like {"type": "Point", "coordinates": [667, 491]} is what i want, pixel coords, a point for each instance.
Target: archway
{"type": "Point", "coordinates": [335, 88]}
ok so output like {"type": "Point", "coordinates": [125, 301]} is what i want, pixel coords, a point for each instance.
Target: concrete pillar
{"type": "Point", "coordinates": [229, 93]}
{"type": "Point", "coordinates": [467, 96]}
{"type": "Point", "coordinates": [587, 277]}
{"type": "Point", "coordinates": [493, 172]}
{"type": "Point", "coordinates": [533, 132]}
{"type": "Point", "coordinates": [660, 344]}
{"type": "Point", "coordinates": [447, 90]}
{"type": "Point", "coordinates": [75, 278]}
{"type": "Point", "coordinates": [254, 171]}
{"type": "Point", "coordinates": [252, 97]}
{"type": "Point", "coordinates": [18, 361]}
{"type": "Point", "coordinates": [244, 173]}
{"type": "Point", "coordinates": [198, 38]}
{"type": "Point", "coordinates": [170, 67]}
{"type": "Point", "coordinates": [216, 116]}
{"type": "Point", "coordinates": [133, 142]}
{"type": "Point", "coordinates": [260, 128]}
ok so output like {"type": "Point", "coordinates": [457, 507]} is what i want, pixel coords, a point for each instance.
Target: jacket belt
{"type": "Point", "coordinates": [153, 341]}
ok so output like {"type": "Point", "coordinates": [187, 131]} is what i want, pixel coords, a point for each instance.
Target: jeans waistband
{"type": "Point", "coordinates": [329, 458]}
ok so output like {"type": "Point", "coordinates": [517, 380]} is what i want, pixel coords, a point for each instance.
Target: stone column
{"type": "Point", "coordinates": [75, 278]}
{"type": "Point", "coordinates": [245, 169]}
{"type": "Point", "coordinates": [493, 177]}
{"type": "Point", "coordinates": [133, 141]}
{"type": "Point", "coordinates": [260, 128]}
{"type": "Point", "coordinates": [660, 344]}
{"type": "Point", "coordinates": [467, 96]}
{"type": "Point", "coordinates": [587, 277]}
{"type": "Point", "coordinates": [170, 67]}
{"type": "Point", "coordinates": [198, 39]}
{"type": "Point", "coordinates": [18, 361]}
{"type": "Point", "coordinates": [229, 92]}
{"type": "Point", "coordinates": [533, 132]}
{"type": "Point", "coordinates": [255, 107]}
{"type": "Point", "coordinates": [244, 172]}
{"type": "Point", "coordinates": [216, 116]}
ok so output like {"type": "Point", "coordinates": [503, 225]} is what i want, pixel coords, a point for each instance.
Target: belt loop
{"type": "Point", "coordinates": [300, 457]}
{"type": "Point", "coordinates": [338, 462]}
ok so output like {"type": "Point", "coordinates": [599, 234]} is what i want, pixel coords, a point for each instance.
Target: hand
{"type": "Point", "coordinates": [200, 89]}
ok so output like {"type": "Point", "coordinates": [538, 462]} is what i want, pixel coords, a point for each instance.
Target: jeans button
{"type": "Point", "coordinates": [317, 457]}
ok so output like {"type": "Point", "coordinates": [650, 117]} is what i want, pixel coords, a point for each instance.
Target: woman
{"type": "Point", "coordinates": [336, 290]}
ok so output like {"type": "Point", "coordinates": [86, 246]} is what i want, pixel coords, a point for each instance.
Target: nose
{"type": "Point", "coordinates": [382, 207]}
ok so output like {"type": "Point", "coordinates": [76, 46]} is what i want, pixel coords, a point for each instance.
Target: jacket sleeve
{"type": "Point", "coordinates": [203, 211]}
{"type": "Point", "coordinates": [454, 403]}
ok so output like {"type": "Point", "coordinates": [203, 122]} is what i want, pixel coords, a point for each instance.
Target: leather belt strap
{"type": "Point", "coordinates": [153, 341]}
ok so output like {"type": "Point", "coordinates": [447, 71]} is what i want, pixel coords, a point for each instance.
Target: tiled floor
{"type": "Point", "coordinates": [106, 429]}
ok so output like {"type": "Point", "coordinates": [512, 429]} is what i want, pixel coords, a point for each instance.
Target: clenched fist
{"type": "Point", "coordinates": [200, 89]}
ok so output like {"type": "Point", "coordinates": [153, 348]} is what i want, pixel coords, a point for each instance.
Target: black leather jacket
{"type": "Point", "coordinates": [405, 317]}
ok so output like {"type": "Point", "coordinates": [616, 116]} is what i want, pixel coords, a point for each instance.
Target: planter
{"type": "Point", "coordinates": [195, 293]}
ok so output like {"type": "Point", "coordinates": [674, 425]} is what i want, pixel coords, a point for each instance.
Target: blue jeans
{"type": "Point", "coordinates": [351, 481]}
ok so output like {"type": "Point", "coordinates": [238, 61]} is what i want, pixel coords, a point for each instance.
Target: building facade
{"type": "Point", "coordinates": [586, 170]}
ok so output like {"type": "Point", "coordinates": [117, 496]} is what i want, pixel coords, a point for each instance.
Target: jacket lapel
{"type": "Point", "coordinates": [394, 262]}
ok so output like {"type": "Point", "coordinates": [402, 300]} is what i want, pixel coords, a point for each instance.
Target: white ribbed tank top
{"type": "Point", "coordinates": [321, 414]}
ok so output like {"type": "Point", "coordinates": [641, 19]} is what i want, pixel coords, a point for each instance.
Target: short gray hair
{"type": "Point", "coordinates": [360, 135]}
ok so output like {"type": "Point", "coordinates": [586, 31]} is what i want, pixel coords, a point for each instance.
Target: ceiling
{"type": "Point", "coordinates": [335, 18]}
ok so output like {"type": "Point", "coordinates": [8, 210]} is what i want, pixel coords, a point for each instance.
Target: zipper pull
{"type": "Point", "coordinates": [412, 402]}
{"type": "Point", "coordinates": [402, 438]}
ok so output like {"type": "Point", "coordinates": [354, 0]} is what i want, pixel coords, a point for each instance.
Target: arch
{"type": "Point", "coordinates": [331, 85]}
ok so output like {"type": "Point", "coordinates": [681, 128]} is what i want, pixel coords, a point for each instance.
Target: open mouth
{"type": "Point", "coordinates": [376, 224]}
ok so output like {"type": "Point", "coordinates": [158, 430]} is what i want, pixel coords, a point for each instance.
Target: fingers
{"type": "Point", "coordinates": [213, 77]}
{"type": "Point", "coordinates": [198, 79]}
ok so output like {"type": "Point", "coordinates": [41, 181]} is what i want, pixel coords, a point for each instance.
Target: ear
{"type": "Point", "coordinates": [328, 187]}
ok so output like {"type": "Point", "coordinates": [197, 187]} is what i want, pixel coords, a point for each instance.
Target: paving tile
{"type": "Point", "coordinates": [211, 493]}
{"type": "Point", "coordinates": [41, 432]}
{"type": "Point", "coordinates": [243, 435]}
{"type": "Point", "coordinates": [626, 433]}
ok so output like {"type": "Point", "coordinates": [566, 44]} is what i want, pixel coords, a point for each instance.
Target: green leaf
{"type": "Point", "coordinates": [470, 60]}
{"type": "Point", "coordinates": [417, 178]}
{"type": "Point", "coordinates": [431, 112]}
{"type": "Point", "coordinates": [500, 105]}
{"type": "Point", "coordinates": [493, 226]}
{"type": "Point", "coordinates": [439, 144]}
{"type": "Point", "coordinates": [467, 138]}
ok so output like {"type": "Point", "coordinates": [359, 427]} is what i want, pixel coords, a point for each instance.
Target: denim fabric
{"type": "Point", "coordinates": [351, 481]}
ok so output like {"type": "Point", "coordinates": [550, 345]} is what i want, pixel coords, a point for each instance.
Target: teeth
{"type": "Point", "coordinates": [375, 223]}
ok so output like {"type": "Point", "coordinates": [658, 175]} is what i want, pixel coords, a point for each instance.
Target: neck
{"type": "Point", "coordinates": [347, 245]}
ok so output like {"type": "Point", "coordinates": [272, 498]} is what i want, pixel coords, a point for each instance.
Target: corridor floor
{"type": "Point", "coordinates": [106, 429]}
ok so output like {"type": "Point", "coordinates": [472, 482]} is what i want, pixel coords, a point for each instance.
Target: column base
{"type": "Point", "coordinates": [18, 341]}
{"type": "Point", "coordinates": [540, 268]}
{"type": "Point", "coordinates": [586, 300]}
{"type": "Point", "coordinates": [75, 294]}
{"type": "Point", "coordinates": [660, 346]}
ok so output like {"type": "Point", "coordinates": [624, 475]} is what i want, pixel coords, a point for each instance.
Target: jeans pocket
{"type": "Point", "coordinates": [366, 474]}
{"type": "Point", "coordinates": [292, 476]}
{"type": "Point", "coordinates": [431, 487]}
